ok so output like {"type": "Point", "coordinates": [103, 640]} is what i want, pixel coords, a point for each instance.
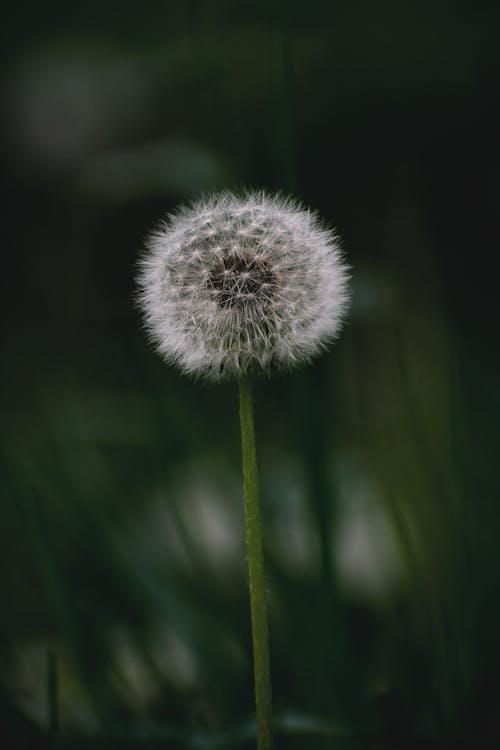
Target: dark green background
{"type": "Point", "coordinates": [122, 557]}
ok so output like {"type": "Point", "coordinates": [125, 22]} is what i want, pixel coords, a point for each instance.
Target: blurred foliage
{"type": "Point", "coordinates": [122, 561]}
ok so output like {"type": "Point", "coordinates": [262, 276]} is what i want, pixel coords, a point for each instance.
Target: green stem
{"type": "Point", "coordinates": [258, 605]}
{"type": "Point", "coordinates": [53, 697]}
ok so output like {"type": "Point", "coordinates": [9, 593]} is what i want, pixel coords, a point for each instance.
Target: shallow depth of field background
{"type": "Point", "coordinates": [122, 558]}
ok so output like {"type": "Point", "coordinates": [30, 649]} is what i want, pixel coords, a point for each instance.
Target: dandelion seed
{"type": "Point", "coordinates": [231, 286]}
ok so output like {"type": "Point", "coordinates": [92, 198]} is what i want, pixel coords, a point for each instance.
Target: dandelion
{"type": "Point", "coordinates": [232, 287]}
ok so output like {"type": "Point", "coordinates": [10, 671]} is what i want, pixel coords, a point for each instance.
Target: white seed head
{"type": "Point", "coordinates": [231, 285]}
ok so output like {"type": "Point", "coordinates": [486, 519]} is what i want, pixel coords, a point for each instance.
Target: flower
{"type": "Point", "coordinates": [231, 285]}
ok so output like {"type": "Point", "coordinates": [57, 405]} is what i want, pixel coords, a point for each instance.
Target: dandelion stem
{"type": "Point", "coordinates": [258, 604]}
{"type": "Point", "coordinates": [53, 697]}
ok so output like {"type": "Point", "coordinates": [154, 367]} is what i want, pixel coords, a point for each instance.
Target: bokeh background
{"type": "Point", "coordinates": [124, 618]}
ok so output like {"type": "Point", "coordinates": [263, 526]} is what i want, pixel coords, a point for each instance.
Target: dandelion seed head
{"type": "Point", "coordinates": [230, 285]}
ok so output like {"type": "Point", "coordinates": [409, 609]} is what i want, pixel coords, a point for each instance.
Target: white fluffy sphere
{"type": "Point", "coordinates": [230, 285]}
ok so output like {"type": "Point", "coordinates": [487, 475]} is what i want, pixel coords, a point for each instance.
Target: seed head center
{"type": "Point", "coordinates": [237, 281]}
